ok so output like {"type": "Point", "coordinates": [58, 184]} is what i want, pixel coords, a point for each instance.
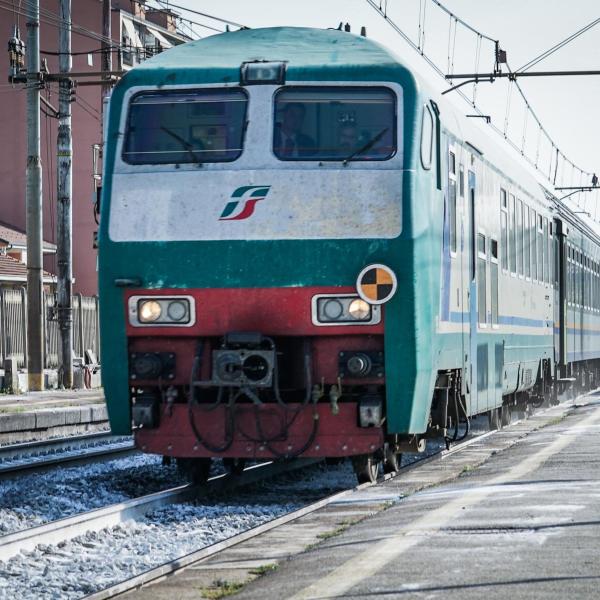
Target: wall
{"type": "Point", "coordinates": [86, 131]}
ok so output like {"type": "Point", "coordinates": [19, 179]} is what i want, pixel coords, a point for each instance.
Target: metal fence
{"type": "Point", "coordinates": [13, 327]}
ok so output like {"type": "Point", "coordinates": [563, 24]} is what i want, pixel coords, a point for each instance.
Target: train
{"type": "Point", "coordinates": [305, 251]}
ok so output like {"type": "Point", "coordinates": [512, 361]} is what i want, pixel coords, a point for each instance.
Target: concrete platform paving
{"type": "Point", "coordinates": [524, 524]}
{"type": "Point", "coordinates": [52, 413]}
{"type": "Point", "coordinates": [515, 514]}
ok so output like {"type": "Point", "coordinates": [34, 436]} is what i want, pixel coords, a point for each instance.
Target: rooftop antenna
{"type": "Point", "coordinates": [363, 31]}
{"type": "Point", "coordinates": [347, 27]}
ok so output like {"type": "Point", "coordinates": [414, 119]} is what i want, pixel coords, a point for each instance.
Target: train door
{"type": "Point", "coordinates": [560, 296]}
{"type": "Point", "coordinates": [473, 303]}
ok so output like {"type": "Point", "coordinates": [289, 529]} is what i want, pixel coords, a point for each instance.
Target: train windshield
{"type": "Point", "coordinates": [191, 126]}
{"type": "Point", "coordinates": [334, 123]}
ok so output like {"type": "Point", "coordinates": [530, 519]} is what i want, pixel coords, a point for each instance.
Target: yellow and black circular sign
{"type": "Point", "coordinates": [376, 284]}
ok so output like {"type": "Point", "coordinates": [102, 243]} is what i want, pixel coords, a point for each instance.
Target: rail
{"type": "Point", "coordinates": [17, 460]}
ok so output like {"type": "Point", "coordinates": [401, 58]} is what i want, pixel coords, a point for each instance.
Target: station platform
{"type": "Point", "coordinates": [523, 524]}
{"type": "Point", "coordinates": [53, 413]}
{"type": "Point", "coordinates": [515, 514]}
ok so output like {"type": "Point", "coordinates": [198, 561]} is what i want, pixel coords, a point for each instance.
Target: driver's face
{"type": "Point", "coordinates": [348, 137]}
{"type": "Point", "coordinates": [293, 119]}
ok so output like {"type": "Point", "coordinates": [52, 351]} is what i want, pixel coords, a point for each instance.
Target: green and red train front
{"type": "Point", "coordinates": [254, 244]}
{"type": "Point", "coordinates": [258, 372]}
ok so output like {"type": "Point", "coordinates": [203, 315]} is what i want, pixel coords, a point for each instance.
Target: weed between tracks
{"type": "Point", "coordinates": [222, 589]}
{"type": "Point", "coordinates": [467, 469]}
{"type": "Point", "coordinates": [555, 421]}
{"type": "Point", "coordinates": [263, 569]}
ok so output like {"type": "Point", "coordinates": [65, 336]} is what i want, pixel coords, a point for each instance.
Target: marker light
{"type": "Point", "coordinates": [262, 73]}
{"type": "Point", "coordinates": [333, 309]}
{"type": "Point", "coordinates": [177, 310]}
{"type": "Point", "coordinates": [149, 311]}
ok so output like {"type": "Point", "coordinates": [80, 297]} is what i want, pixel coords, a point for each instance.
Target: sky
{"type": "Point", "coordinates": [566, 106]}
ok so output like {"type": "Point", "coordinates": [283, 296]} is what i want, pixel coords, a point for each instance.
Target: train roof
{"type": "Point", "coordinates": [299, 46]}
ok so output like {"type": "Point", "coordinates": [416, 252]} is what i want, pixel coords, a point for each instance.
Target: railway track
{"type": "Point", "coordinates": [68, 528]}
{"type": "Point", "coordinates": [35, 457]}
{"type": "Point", "coordinates": [183, 562]}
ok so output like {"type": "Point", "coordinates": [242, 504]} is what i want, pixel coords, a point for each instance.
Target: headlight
{"type": "Point", "coordinates": [343, 309]}
{"type": "Point", "coordinates": [359, 309]}
{"type": "Point", "coordinates": [149, 311]}
{"type": "Point", "coordinates": [159, 311]}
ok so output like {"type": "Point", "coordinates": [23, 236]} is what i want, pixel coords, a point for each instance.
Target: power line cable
{"type": "Point", "coordinates": [463, 23]}
{"type": "Point", "coordinates": [558, 46]}
{"type": "Point", "coordinates": [163, 4]}
{"type": "Point", "coordinates": [201, 14]}
{"type": "Point", "coordinates": [52, 19]}
{"type": "Point", "coordinates": [418, 48]}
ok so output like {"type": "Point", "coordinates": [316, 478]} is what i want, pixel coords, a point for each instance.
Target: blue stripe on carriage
{"type": "Point", "coordinates": [522, 322]}
{"type": "Point", "coordinates": [459, 317]}
{"type": "Point", "coordinates": [574, 356]}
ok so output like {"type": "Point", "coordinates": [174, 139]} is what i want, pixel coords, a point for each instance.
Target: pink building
{"type": "Point", "coordinates": [140, 32]}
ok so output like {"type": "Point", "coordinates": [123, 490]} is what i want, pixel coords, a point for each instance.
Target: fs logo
{"type": "Point", "coordinates": [242, 203]}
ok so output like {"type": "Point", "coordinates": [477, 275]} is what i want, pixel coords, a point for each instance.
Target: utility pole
{"type": "Point", "coordinates": [33, 194]}
{"type": "Point", "coordinates": [65, 211]}
{"type": "Point", "coordinates": [106, 48]}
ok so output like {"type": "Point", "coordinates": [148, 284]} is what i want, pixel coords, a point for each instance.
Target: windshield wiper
{"type": "Point", "coordinates": [188, 147]}
{"type": "Point", "coordinates": [366, 147]}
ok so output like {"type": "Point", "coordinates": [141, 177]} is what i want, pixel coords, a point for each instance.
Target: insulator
{"type": "Point", "coordinates": [16, 58]}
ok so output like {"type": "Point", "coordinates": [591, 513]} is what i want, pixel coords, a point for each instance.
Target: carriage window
{"type": "Point", "coordinates": [427, 138]}
{"type": "Point", "coordinates": [461, 181]}
{"type": "Point", "coordinates": [191, 126]}
{"type": "Point", "coordinates": [452, 199]}
{"type": "Point", "coordinates": [520, 237]}
{"type": "Point", "coordinates": [546, 253]}
{"type": "Point", "coordinates": [494, 280]}
{"type": "Point", "coordinates": [526, 241]}
{"type": "Point", "coordinates": [550, 244]}
{"type": "Point", "coordinates": [540, 250]}
{"type": "Point", "coordinates": [512, 244]}
{"type": "Point", "coordinates": [532, 237]}
{"type": "Point", "coordinates": [335, 124]}
{"type": "Point", "coordinates": [504, 229]}
{"type": "Point", "coordinates": [481, 279]}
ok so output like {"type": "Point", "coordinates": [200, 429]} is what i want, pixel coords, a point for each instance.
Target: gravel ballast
{"type": "Point", "coordinates": [97, 560]}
